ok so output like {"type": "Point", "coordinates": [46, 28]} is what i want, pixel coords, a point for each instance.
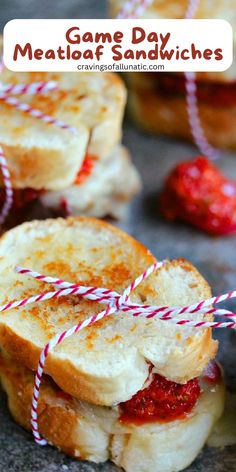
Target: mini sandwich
{"type": "Point", "coordinates": [135, 390]}
{"type": "Point", "coordinates": [84, 170]}
{"type": "Point", "coordinates": [158, 100]}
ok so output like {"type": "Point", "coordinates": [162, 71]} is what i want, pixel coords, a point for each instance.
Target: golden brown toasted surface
{"type": "Point", "coordinates": [108, 362]}
{"type": "Point", "coordinates": [57, 413]}
{"type": "Point", "coordinates": [92, 103]}
{"type": "Point", "coordinates": [168, 115]}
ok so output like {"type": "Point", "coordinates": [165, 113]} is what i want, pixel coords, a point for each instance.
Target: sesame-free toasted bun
{"type": "Point", "coordinates": [106, 191]}
{"type": "Point", "coordinates": [108, 362]}
{"type": "Point", "coordinates": [43, 156]}
{"type": "Point", "coordinates": [95, 433]}
{"type": "Point", "coordinates": [167, 114]}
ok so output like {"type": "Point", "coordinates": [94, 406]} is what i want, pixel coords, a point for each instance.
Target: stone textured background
{"type": "Point", "coordinates": [215, 257]}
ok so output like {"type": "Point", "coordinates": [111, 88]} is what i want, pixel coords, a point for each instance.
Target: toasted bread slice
{"type": "Point", "coordinates": [44, 156]}
{"type": "Point", "coordinates": [104, 192]}
{"type": "Point", "coordinates": [167, 114]}
{"type": "Point", "coordinates": [95, 433]}
{"type": "Point", "coordinates": [108, 362]}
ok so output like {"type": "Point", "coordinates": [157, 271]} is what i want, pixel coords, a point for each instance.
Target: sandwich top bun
{"type": "Point", "coordinates": [176, 9]}
{"type": "Point", "coordinates": [43, 156]}
{"type": "Point", "coordinates": [108, 362]}
{"type": "Point", "coordinates": [95, 433]}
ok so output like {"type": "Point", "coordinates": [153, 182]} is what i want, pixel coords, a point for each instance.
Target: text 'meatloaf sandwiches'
{"type": "Point", "coordinates": [87, 170]}
{"type": "Point", "coordinates": [158, 100]}
{"type": "Point", "coordinates": [130, 389]}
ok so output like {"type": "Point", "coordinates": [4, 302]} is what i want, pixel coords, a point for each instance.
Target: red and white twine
{"type": "Point", "coordinates": [29, 89]}
{"type": "Point", "coordinates": [6, 176]}
{"type": "Point", "coordinates": [35, 88]}
{"type": "Point", "coordinates": [192, 101]}
{"type": "Point", "coordinates": [194, 118]}
{"type": "Point", "coordinates": [115, 304]}
{"type": "Point", "coordinates": [135, 9]}
{"type": "Point", "coordinates": [14, 102]}
{"type": "Point", "coordinates": [191, 9]}
{"type": "Point", "coordinates": [107, 296]}
{"type": "Point", "coordinates": [131, 9]}
{"type": "Point", "coordinates": [7, 187]}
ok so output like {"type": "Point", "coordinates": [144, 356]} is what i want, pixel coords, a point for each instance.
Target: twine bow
{"type": "Point", "coordinates": [115, 303]}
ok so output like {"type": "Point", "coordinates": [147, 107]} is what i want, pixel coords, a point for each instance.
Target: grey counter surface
{"type": "Point", "coordinates": [215, 258]}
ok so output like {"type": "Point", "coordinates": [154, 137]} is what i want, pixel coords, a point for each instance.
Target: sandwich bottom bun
{"type": "Point", "coordinates": [104, 192]}
{"type": "Point", "coordinates": [95, 433]}
{"type": "Point", "coordinates": [167, 114]}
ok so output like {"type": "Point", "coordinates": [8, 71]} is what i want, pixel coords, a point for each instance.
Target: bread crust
{"type": "Point", "coordinates": [58, 412]}
{"type": "Point", "coordinates": [95, 433]}
{"type": "Point", "coordinates": [108, 362]}
{"type": "Point", "coordinates": [168, 115]}
{"type": "Point", "coordinates": [42, 156]}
